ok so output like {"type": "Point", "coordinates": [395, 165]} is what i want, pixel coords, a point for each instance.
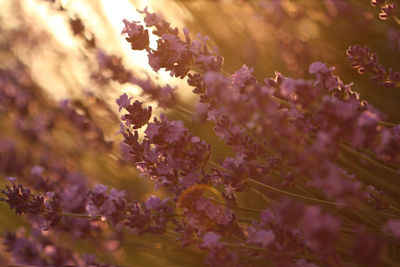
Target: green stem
{"type": "Point", "coordinates": [221, 168]}
{"type": "Point", "coordinates": [283, 102]}
{"type": "Point", "coordinates": [316, 199]}
{"type": "Point", "coordinates": [258, 141]}
{"type": "Point", "coordinates": [237, 207]}
{"type": "Point", "coordinates": [264, 197]}
{"type": "Point", "coordinates": [77, 215]}
{"type": "Point", "coordinates": [371, 179]}
{"type": "Point", "coordinates": [99, 217]}
{"type": "Point", "coordinates": [368, 159]}
{"type": "Point", "coordinates": [292, 194]}
{"type": "Point", "coordinates": [397, 20]}
{"type": "Point", "coordinates": [233, 245]}
{"type": "Point", "coordinates": [184, 110]}
{"type": "Point", "coordinates": [225, 73]}
{"type": "Point", "coordinates": [386, 124]}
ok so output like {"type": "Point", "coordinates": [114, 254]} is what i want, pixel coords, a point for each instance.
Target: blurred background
{"type": "Point", "coordinates": [49, 52]}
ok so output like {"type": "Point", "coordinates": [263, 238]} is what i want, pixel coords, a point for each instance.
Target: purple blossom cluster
{"type": "Point", "coordinates": [169, 154]}
{"type": "Point", "coordinates": [22, 201]}
{"type": "Point", "coordinates": [322, 118]}
{"type": "Point", "coordinates": [367, 63]}
{"type": "Point", "coordinates": [240, 111]}
{"type": "Point", "coordinates": [37, 249]}
{"type": "Point", "coordinates": [41, 170]}
{"type": "Point", "coordinates": [174, 54]}
{"type": "Point", "coordinates": [110, 67]}
{"type": "Point", "coordinates": [151, 216]}
{"type": "Point", "coordinates": [219, 255]}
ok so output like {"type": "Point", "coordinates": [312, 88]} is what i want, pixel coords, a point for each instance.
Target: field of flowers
{"type": "Point", "coordinates": [261, 133]}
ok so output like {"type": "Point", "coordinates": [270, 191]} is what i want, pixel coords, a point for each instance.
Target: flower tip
{"type": "Point", "coordinates": [317, 67]}
{"type": "Point", "coordinates": [11, 179]}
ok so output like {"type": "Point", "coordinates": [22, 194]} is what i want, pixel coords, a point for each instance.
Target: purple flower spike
{"type": "Point", "coordinates": [388, 11]}
{"type": "Point", "coordinates": [367, 63]}
{"type": "Point", "coordinates": [154, 202]}
{"type": "Point", "coordinates": [123, 101]}
{"type": "Point", "coordinates": [151, 19]}
{"type": "Point", "coordinates": [137, 116]}
{"type": "Point", "coordinates": [243, 77]}
{"type": "Point", "coordinates": [138, 37]}
{"type": "Point", "coordinates": [211, 240]}
{"type": "Point", "coordinates": [218, 254]}
{"type": "Point", "coordinates": [262, 238]}
{"type": "Point", "coordinates": [21, 200]}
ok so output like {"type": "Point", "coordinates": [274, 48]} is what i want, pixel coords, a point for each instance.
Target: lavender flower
{"type": "Point", "coordinates": [174, 54]}
{"type": "Point", "coordinates": [218, 254]}
{"type": "Point", "coordinates": [243, 77]}
{"type": "Point", "coordinates": [138, 37]}
{"type": "Point", "coordinates": [37, 249]}
{"type": "Point", "coordinates": [137, 116]}
{"type": "Point", "coordinates": [167, 151]}
{"type": "Point", "coordinates": [22, 201]}
{"type": "Point", "coordinates": [388, 11]}
{"type": "Point", "coordinates": [366, 62]}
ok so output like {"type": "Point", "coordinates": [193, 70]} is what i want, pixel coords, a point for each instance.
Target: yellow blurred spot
{"type": "Point", "coordinates": [54, 22]}
{"type": "Point", "coordinates": [199, 188]}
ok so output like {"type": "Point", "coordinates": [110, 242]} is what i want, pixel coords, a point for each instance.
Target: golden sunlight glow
{"type": "Point", "coordinates": [58, 63]}
{"type": "Point", "coordinates": [115, 12]}
{"type": "Point", "coordinates": [55, 24]}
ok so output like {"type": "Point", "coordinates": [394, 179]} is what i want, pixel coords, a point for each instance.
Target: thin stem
{"type": "Point", "coordinates": [303, 190]}
{"type": "Point", "coordinates": [283, 102]}
{"type": "Point", "coordinates": [394, 208]}
{"type": "Point", "coordinates": [237, 207]}
{"type": "Point", "coordinates": [234, 245]}
{"type": "Point", "coordinates": [386, 124]}
{"type": "Point", "coordinates": [258, 141]}
{"type": "Point", "coordinates": [238, 238]}
{"type": "Point", "coordinates": [196, 69]}
{"type": "Point", "coordinates": [368, 177]}
{"type": "Point", "coordinates": [225, 73]}
{"type": "Point", "coordinates": [184, 110]}
{"type": "Point", "coordinates": [264, 197]}
{"type": "Point", "coordinates": [292, 194]}
{"type": "Point", "coordinates": [77, 215]}
{"type": "Point", "coordinates": [345, 147]}
{"type": "Point", "coordinates": [397, 20]}
{"type": "Point", "coordinates": [316, 199]}
{"type": "Point", "coordinates": [376, 158]}
{"type": "Point", "coordinates": [221, 168]}
{"type": "Point", "coordinates": [245, 220]}
{"type": "Point", "coordinates": [372, 179]}
{"type": "Point", "coordinates": [368, 159]}
{"type": "Point", "coordinates": [99, 217]}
